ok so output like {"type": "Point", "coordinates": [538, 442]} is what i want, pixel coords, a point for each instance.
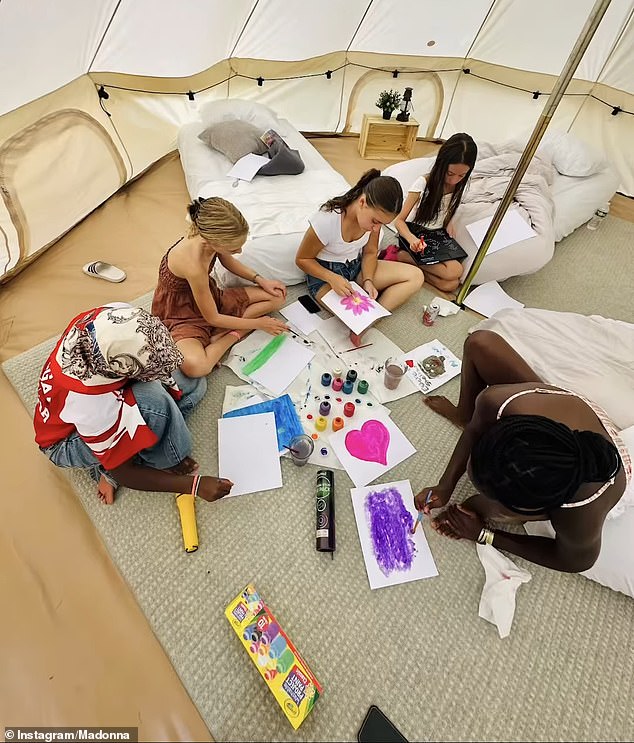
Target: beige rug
{"type": "Point", "coordinates": [590, 273]}
{"type": "Point", "coordinates": [419, 650]}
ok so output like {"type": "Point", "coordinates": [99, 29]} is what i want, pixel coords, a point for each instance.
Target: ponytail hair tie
{"type": "Point", "coordinates": [194, 209]}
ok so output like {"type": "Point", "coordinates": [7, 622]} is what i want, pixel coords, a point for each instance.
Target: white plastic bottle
{"type": "Point", "coordinates": [598, 217]}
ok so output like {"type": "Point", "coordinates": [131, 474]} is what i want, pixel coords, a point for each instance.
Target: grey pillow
{"type": "Point", "coordinates": [234, 138]}
{"type": "Point", "coordinates": [284, 160]}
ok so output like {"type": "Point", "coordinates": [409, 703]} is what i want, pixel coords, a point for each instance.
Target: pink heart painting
{"type": "Point", "coordinates": [409, 363]}
{"type": "Point", "coordinates": [370, 443]}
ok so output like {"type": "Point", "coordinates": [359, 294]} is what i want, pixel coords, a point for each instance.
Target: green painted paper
{"type": "Point", "coordinates": [265, 354]}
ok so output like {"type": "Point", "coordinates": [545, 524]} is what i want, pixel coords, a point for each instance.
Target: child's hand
{"type": "Point", "coordinates": [213, 488]}
{"type": "Point", "coordinates": [450, 229]}
{"type": "Point", "coordinates": [341, 286]}
{"type": "Point", "coordinates": [417, 245]}
{"type": "Point", "coordinates": [272, 286]}
{"type": "Point", "coordinates": [372, 291]}
{"type": "Point", "coordinates": [271, 325]}
{"type": "Point", "coordinates": [431, 497]}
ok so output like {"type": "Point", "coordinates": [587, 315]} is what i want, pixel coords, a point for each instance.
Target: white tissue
{"type": "Point", "coordinates": [446, 308]}
{"type": "Point", "coordinates": [503, 578]}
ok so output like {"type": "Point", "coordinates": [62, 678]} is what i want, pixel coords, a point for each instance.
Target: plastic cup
{"type": "Point", "coordinates": [394, 371]}
{"type": "Point", "coordinates": [302, 447]}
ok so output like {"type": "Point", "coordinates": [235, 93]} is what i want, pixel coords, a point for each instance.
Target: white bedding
{"type": "Point", "coordinates": [575, 200]}
{"type": "Point", "coordinates": [593, 356]}
{"type": "Point", "coordinates": [276, 207]}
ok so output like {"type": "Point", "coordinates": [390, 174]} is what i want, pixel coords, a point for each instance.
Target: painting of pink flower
{"type": "Point", "coordinates": [357, 303]}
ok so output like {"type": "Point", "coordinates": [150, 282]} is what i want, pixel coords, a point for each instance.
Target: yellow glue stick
{"type": "Point", "coordinates": [187, 511]}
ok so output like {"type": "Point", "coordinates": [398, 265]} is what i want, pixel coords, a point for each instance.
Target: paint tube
{"type": "Point", "coordinates": [325, 511]}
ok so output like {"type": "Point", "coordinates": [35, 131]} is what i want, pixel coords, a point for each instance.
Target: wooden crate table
{"type": "Point", "coordinates": [387, 139]}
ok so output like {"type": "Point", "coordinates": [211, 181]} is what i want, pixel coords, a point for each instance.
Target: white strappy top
{"type": "Point", "coordinates": [606, 422]}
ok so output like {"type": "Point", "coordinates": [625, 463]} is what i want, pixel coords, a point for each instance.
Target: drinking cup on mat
{"type": "Point", "coordinates": [301, 448]}
{"type": "Point", "coordinates": [394, 371]}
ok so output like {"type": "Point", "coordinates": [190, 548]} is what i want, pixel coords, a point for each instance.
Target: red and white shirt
{"type": "Point", "coordinates": [106, 416]}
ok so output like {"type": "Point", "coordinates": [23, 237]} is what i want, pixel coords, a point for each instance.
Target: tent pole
{"type": "Point", "coordinates": [591, 25]}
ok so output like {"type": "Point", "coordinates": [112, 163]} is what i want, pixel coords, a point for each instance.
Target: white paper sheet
{"type": "Point", "coordinates": [283, 367]}
{"type": "Point", "coordinates": [357, 312]}
{"type": "Point", "coordinates": [366, 407]}
{"type": "Point", "coordinates": [246, 167]}
{"type": "Point", "coordinates": [240, 397]}
{"type": "Point", "coordinates": [385, 515]}
{"type": "Point", "coordinates": [371, 449]}
{"type": "Point", "coordinates": [368, 360]}
{"type": "Point", "coordinates": [301, 319]}
{"type": "Point", "coordinates": [423, 374]}
{"type": "Point", "coordinates": [248, 454]}
{"type": "Point", "coordinates": [512, 229]}
{"type": "Point", "coordinates": [489, 298]}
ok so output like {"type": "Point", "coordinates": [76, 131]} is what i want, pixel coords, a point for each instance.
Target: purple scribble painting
{"type": "Point", "coordinates": [390, 524]}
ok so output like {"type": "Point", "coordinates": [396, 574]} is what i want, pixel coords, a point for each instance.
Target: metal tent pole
{"type": "Point", "coordinates": [591, 25]}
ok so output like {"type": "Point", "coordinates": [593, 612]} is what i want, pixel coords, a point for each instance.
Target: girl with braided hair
{"type": "Point", "coordinates": [535, 452]}
{"type": "Point", "coordinates": [205, 320]}
{"type": "Point", "coordinates": [341, 245]}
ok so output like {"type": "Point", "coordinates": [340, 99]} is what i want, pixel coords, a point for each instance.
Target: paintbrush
{"type": "Point", "coordinates": [293, 451]}
{"type": "Point", "coordinates": [356, 348]}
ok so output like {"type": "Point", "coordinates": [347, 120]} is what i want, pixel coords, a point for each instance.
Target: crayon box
{"type": "Point", "coordinates": [286, 673]}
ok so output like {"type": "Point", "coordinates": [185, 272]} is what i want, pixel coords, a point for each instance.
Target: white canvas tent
{"type": "Point", "coordinates": [474, 65]}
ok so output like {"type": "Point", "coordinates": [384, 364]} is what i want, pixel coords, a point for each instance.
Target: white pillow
{"type": "Point", "coordinates": [568, 154]}
{"type": "Point", "coordinates": [257, 114]}
{"type": "Point", "coordinates": [408, 171]}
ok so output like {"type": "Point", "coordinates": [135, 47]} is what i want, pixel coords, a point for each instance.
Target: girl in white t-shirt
{"type": "Point", "coordinates": [431, 204]}
{"type": "Point", "coordinates": [341, 245]}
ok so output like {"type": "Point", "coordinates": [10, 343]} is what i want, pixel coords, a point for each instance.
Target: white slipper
{"type": "Point", "coordinates": [101, 270]}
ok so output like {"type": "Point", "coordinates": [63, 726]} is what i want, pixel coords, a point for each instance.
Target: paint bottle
{"type": "Point", "coordinates": [325, 511]}
{"type": "Point", "coordinates": [348, 386]}
{"type": "Point", "coordinates": [351, 376]}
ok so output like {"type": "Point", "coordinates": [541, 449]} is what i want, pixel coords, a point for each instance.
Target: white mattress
{"type": "Point", "coordinates": [576, 200]}
{"type": "Point", "coordinates": [593, 356]}
{"type": "Point", "coordinates": [276, 207]}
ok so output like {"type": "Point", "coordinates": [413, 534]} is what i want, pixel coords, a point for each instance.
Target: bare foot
{"type": "Point", "coordinates": [444, 407]}
{"type": "Point", "coordinates": [188, 466]}
{"type": "Point", "coordinates": [355, 340]}
{"type": "Point", "coordinates": [106, 491]}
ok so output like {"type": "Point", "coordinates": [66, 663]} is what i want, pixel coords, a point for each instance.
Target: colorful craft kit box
{"type": "Point", "coordinates": [281, 666]}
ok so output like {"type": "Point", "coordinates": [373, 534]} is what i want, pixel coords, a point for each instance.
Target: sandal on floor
{"type": "Point", "coordinates": [101, 270]}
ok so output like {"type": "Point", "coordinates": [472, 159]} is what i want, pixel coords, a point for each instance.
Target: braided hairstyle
{"type": "Point", "coordinates": [381, 192]}
{"type": "Point", "coordinates": [532, 464]}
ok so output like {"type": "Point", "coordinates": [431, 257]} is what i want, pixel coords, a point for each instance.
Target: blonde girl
{"type": "Point", "coordinates": [204, 320]}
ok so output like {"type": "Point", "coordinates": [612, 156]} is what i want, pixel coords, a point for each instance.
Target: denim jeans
{"type": "Point", "coordinates": [349, 270]}
{"type": "Point", "coordinates": [164, 415]}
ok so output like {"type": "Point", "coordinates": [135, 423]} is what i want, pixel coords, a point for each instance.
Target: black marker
{"type": "Point", "coordinates": [325, 511]}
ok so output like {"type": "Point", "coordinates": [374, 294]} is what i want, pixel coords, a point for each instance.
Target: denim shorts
{"type": "Point", "coordinates": [349, 270]}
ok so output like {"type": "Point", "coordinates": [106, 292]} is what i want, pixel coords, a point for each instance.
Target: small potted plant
{"type": "Point", "coordinates": [389, 100]}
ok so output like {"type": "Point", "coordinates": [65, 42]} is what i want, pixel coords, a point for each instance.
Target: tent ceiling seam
{"type": "Point", "coordinates": [114, 13]}
{"type": "Point", "coordinates": [242, 30]}
{"type": "Point", "coordinates": [464, 59]}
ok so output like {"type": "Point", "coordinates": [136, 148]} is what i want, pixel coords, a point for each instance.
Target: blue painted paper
{"type": "Point", "coordinates": [287, 422]}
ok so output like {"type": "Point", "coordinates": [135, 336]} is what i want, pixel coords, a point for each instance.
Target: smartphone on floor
{"type": "Point", "coordinates": [308, 303]}
{"type": "Point", "coordinates": [376, 728]}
